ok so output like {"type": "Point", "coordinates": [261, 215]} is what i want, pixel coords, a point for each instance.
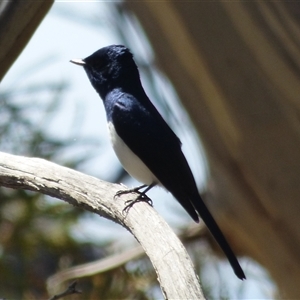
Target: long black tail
{"type": "Point", "coordinates": [219, 237]}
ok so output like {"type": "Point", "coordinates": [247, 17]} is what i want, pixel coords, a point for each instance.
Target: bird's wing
{"type": "Point", "coordinates": [148, 136]}
{"type": "Point", "coordinates": [152, 140]}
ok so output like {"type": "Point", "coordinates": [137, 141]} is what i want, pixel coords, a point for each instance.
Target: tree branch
{"type": "Point", "coordinates": [190, 234]}
{"type": "Point", "coordinates": [69, 291]}
{"type": "Point", "coordinates": [95, 267]}
{"type": "Point", "coordinates": [169, 258]}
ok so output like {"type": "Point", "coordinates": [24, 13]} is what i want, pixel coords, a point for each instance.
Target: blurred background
{"type": "Point", "coordinates": [225, 77]}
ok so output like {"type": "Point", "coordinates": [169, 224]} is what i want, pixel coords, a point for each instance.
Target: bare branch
{"type": "Point", "coordinates": [190, 234]}
{"type": "Point", "coordinates": [99, 266]}
{"type": "Point", "coordinates": [169, 258]}
{"type": "Point", "coordinates": [69, 291]}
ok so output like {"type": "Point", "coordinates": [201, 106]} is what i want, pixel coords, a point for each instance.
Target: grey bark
{"type": "Point", "coordinates": [170, 260]}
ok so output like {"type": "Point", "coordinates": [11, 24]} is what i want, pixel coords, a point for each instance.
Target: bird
{"type": "Point", "coordinates": [144, 143]}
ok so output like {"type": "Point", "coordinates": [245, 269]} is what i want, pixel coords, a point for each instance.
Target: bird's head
{"type": "Point", "coordinates": [109, 67]}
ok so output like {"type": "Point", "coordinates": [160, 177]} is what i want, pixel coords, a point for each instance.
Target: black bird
{"type": "Point", "coordinates": [144, 143]}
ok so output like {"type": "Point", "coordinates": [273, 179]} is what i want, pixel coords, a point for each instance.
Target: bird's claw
{"type": "Point", "coordinates": [124, 192]}
{"type": "Point", "coordinates": [129, 191]}
{"type": "Point", "coordinates": [141, 198]}
{"type": "Point", "coordinates": [119, 193]}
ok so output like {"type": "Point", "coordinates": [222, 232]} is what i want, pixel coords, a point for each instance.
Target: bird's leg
{"type": "Point", "coordinates": [129, 191]}
{"type": "Point", "coordinates": [142, 197]}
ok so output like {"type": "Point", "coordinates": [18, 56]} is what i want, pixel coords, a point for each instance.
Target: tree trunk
{"type": "Point", "coordinates": [235, 66]}
{"type": "Point", "coordinates": [18, 21]}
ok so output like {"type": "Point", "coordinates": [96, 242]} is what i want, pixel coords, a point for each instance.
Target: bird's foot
{"type": "Point", "coordinates": [129, 191]}
{"type": "Point", "coordinates": [142, 197]}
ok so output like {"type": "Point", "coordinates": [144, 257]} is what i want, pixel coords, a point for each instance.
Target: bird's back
{"type": "Point", "coordinates": [152, 140]}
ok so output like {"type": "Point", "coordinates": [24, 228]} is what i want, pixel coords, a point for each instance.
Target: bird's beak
{"type": "Point", "coordinates": [78, 61]}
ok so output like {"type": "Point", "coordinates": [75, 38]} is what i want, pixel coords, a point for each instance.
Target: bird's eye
{"type": "Point", "coordinates": [98, 64]}
{"type": "Point", "coordinates": [101, 63]}
{"type": "Point", "coordinates": [102, 66]}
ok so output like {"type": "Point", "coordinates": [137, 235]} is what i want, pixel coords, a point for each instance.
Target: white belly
{"type": "Point", "coordinates": [131, 163]}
